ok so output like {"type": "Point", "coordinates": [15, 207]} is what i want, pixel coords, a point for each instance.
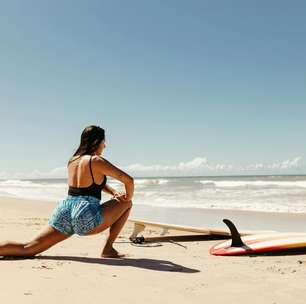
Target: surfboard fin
{"type": "Point", "coordinates": [235, 235]}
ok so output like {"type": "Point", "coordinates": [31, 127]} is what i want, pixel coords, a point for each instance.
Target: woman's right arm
{"type": "Point", "coordinates": [110, 170]}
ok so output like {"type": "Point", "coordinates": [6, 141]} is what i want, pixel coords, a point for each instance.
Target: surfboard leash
{"type": "Point", "coordinates": [139, 240]}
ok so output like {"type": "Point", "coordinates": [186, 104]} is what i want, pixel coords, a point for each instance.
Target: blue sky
{"type": "Point", "coordinates": [181, 87]}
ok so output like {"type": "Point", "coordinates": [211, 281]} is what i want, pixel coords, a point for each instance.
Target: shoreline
{"type": "Point", "coordinates": [212, 218]}
{"type": "Point", "coordinates": [198, 217]}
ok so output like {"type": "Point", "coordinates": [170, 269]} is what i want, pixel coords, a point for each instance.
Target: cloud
{"type": "Point", "coordinates": [59, 172]}
{"type": "Point", "coordinates": [3, 174]}
{"type": "Point", "coordinates": [283, 165]}
{"type": "Point", "coordinates": [196, 166]}
{"type": "Point", "coordinates": [200, 165]}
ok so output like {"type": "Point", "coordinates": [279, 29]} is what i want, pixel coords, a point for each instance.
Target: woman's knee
{"type": "Point", "coordinates": [129, 204]}
{"type": "Point", "coordinates": [31, 249]}
{"type": "Point", "coordinates": [126, 204]}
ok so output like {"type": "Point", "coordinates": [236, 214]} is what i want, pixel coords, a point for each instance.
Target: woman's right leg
{"type": "Point", "coordinates": [45, 239]}
{"type": "Point", "coordinates": [115, 213]}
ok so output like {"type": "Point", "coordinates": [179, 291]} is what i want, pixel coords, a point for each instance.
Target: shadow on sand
{"type": "Point", "coordinates": [151, 264]}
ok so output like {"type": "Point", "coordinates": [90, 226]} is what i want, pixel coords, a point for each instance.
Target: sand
{"type": "Point", "coordinates": [159, 272]}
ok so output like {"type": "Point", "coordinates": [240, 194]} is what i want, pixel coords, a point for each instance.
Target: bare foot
{"type": "Point", "coordinates": [112, 253]}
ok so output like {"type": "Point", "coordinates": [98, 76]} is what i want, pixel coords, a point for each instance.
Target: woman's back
{"type": "Point", "coordinates": [79, 172]}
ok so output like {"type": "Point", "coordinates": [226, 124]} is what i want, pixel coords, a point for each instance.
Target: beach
{"type": "Point", "coordinates": [193, 112]}
{"type": "Point", "coordinates": [162, 271]}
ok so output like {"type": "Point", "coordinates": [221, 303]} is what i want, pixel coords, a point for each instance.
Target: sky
{"type": "Point", "coordinates": [180, 87]}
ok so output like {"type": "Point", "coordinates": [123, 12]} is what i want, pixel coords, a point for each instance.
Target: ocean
{"type": "Point", "coordinates": [282, 194]}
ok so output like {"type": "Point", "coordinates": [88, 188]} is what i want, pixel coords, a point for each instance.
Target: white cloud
{"type": "Point", "coordinates": [200, 165]}
{"type": "Point", "coordinates": [196, 166]}
{"type": "Point", "coordinates": [60, 172]}
{"type": "Point", "coordinates": [3, 174]}
{"type": "Point", "coordinates": [283, 165]}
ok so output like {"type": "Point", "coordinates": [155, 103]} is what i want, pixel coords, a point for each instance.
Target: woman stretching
{"type": "Point", "coordinates": [81, 212]}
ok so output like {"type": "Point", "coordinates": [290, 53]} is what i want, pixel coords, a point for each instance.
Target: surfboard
{"type": "Point", "coordinates": [257, 243]}
{"type": "Point", "coordinates": [140, 226]}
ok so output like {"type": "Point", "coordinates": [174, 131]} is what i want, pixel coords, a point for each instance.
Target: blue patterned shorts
{"type": "Point", "coordinates": [76, 214]}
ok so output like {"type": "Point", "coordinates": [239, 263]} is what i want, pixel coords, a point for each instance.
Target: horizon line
{"type": "Point", "coordinates": [173, 176]}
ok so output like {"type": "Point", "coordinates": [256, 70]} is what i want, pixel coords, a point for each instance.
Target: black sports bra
{"type": "Point", "coordinates": [92, 190]}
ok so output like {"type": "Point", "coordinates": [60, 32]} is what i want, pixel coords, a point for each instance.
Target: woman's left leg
{"type": "Point", "coordinates": [44, 240]}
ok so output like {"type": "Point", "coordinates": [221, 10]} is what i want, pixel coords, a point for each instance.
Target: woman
{"type": "Point", "coordinates": [81, 212]}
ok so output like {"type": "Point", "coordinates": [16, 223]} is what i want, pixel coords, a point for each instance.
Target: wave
{"type": "Point", "coordinates": [228, 193]}
{"type": "Point", "coordinates": [151, 181]}
{"type": "Point", "coordinates": [12, 183]}
{"type": "Point", "coordinates": [261, 205]}
{"type": "Point", "coordinates": [148, 181]}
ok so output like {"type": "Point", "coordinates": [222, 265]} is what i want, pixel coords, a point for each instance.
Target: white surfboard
{"type": "Point", "coordinates": [140, 226]}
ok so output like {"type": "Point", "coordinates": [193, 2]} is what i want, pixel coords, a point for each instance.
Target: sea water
{"type": "Point", "coordinates": [250, 193]}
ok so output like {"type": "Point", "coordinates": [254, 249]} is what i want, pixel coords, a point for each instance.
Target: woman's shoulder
{"type": "Point", "coordinates": [72, 158]}
{"type": "Point", "coordinates": [80, 157]}
{"type": "Point", "coordinates": [98, 159]}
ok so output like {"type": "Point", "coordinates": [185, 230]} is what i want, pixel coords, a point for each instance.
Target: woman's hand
{"type": "Point", "coordinates": [117, 194]}
{"type": "Point", "coordinates": [120, 196]}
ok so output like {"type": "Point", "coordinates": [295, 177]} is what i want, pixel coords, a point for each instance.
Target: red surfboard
{"type": "Point", "coordinates": [258, 243]}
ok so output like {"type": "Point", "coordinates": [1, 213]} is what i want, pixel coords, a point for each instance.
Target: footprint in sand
{"type": "Point", "coordinates": [27, 293]}
{"type": "Point", "coordinates": [42, 267]}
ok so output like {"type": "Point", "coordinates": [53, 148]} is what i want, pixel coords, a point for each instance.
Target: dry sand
{"type": "Point", "coordinates": [157, 272]}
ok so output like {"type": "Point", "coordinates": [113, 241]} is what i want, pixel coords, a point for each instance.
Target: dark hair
{"type": "Point", "coordinates": [91, 138]}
